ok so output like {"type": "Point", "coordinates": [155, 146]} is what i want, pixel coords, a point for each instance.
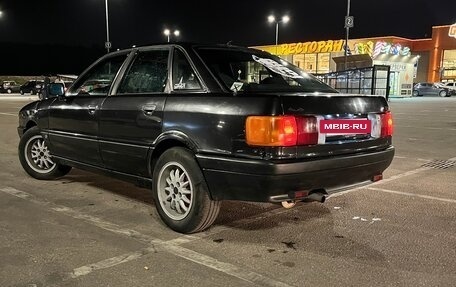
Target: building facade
{"type": "Point", "coordinates": [410, 60]}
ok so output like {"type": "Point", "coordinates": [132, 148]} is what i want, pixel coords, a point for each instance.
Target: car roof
{"type": "Point", "coordinates": [189, 45]}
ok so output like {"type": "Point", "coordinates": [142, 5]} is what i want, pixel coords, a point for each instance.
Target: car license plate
{"type": "Point", "coordinates": [345, 127]}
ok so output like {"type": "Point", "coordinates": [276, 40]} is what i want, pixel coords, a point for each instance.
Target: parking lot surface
{"type": "Point", "coordinates": [89, 230]}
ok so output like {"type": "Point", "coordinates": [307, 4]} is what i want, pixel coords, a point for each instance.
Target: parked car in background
{"type": "Point", "coordinates": [9, 87]}
{"type": "Point", "coordinates": [431, 89]}
{"type": "Point", "coordinates": [196, 125]}
{"type": "Point", "coordinates": [450, 85]}
{"type": "Point", "coordinates": [33, 87]}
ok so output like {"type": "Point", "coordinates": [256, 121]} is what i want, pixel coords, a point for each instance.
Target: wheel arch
{"type": "Point", "coordinates": [166, 141]}
{"type": "Point", "coordinates": [30, 124]}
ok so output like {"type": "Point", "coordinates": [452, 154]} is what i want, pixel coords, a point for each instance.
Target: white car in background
{"type": "Point", "coordinates": [450, 85]}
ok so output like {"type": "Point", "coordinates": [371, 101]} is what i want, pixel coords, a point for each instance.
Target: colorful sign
{"type": "Point", "coordinates": [452, 31]}
{"type": "Point", "coordinates": [380, 47]}
{"type": "Point", "coordinates": [364, 48]}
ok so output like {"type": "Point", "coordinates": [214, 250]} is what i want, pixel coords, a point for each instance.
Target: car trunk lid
{"type": "Point", "coordinates": [339, 108]}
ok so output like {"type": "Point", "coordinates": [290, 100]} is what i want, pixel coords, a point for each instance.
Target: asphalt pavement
{"type": "Point", "coordinates": [89, 230]}
{"type": "Point", "coordinates": [18, 97]}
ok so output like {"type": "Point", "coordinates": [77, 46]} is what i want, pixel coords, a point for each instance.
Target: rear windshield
{"type": "Point", "coordinates": [250, 71]}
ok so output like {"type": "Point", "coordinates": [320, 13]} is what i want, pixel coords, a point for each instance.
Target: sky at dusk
{"type": "Point", "coordinates": [139, 22]}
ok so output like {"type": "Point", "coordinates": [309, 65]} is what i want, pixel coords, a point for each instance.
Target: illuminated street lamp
{"type": "Point", "coordinates": [167, 33]}
{"type": "Point", "coordinates": [272, 19]}
{"type": "Point", "coordinates": [1, 13]}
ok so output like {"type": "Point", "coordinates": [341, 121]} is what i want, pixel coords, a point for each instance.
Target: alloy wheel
{"type": "Point", "coordinates": [37, 155]}
{"type": "Point", "coordinates": [175, 190]}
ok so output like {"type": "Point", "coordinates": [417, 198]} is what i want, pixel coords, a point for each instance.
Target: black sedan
{"type": "Point", "coordinates": [196, 125]}
{"type": "Point", "coordinates": [33, 87]}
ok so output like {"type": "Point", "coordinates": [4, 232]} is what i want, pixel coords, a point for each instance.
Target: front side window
{"type": "Point", "coordinates": [147, 74]}
{"type": "Point", "coordinates": [98, 80]}
{"type": "Point", "coordinates": [250, 71]}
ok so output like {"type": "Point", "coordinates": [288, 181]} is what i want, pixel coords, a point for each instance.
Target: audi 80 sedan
{"type": "Point", "coordinates": [198, 124]}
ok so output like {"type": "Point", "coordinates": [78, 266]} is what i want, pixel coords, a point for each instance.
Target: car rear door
{"type": "Point", "coordinates": [73, 119]}
{"type": "Point", "coordinates": [131, 118]}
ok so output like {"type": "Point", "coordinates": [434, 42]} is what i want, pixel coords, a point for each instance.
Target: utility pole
{"type": "Point", "coordinates": [277, 36]}
{"type": "Point", "coordinates": [349, 23]}
{"type": "Point", "coordinates": [108, 43]}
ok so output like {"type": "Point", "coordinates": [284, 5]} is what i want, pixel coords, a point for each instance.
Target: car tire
{"type": "Point", "coordinates": [443, 94]}
{"type": "Point", "coordinates": [416, 94]}
{"type": "Point", "coordinates": [181, 194]}
{"type": "Point", "coordinates": [35, 157]}
{"type": "Point", "coordinates": [22, 92]}
{"type": "Point", "coordinates": [9, 91]}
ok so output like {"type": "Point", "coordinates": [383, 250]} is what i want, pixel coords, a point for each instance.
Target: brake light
{"type": "Point", "coordinates": [307, 130]}
{"type": "Point", "coordinates": [281, 130]}
{"type": "Point", "coordinates": [387, 124]}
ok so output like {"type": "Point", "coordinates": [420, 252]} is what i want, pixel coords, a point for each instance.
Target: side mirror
{"type": "Point", "coordinates": [56, 89]}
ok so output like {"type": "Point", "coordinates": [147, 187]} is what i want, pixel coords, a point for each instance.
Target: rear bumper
{"type": "Point", "coordinates": [265, 181]}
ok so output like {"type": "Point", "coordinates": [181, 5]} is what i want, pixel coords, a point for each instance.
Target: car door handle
{"type": "Point", "coordinates": [148, 110]}
{"type": "Point", "coordinates": [92, 109]}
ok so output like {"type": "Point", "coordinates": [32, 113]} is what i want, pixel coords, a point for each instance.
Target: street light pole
{"type": "Point", "coordinates": [167, 32]}
{"type": "Point", "coordinates": [272, 19]}
{"type": "Point", "coordinates": [277, 34]}
{"type": "Point", "coordinates": [107, 44]}
{"type": "Point", "coordinates": [347, 28]}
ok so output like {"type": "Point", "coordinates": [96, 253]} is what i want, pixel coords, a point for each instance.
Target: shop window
{"type": "Point", "coordinates": [323, 63]}
{"type": "Point", "coordinates": [310, 64]}
{"type": "Point", "coordinates": [298, 61]}
{"type": "Point", "coordinates": [449, 59]}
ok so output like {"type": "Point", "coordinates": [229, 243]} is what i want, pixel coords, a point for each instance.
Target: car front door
{"type": "Point", "coordinates": [73, 119]}
{"type": "Point", "coordinates": [428, 89]}
{"type": "Point", "coordinates": [435, 90]}
{"type": "Point", "coordinates": [131, 118]}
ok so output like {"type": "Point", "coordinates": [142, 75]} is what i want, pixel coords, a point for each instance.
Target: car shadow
{"type": "Point", "coordinates": [308, 227]}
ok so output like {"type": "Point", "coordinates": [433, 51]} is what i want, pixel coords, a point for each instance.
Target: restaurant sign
{"type": "Point", "coordinates": [307, 47]}
{"type": "Point", "coordinates": [371, 48]}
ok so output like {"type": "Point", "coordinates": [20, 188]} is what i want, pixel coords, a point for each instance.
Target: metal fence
{"type": "Point", "coordinates": [369, 81]}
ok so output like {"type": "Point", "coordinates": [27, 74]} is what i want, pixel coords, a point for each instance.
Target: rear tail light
{"type": "Point", "coordinates": [307, 130]}
{"type": "Point", "coordinates": [271, 131]}
{"type": "Point", "coordinates": [377, 177]}
{"type": "Point", "coordinates": [281, 130]}
{"type": "Point", "coordinates": [387, 124]}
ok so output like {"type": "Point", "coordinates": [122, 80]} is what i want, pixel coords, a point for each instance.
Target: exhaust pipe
{"type": "Point", "coordinates": [320, 197]}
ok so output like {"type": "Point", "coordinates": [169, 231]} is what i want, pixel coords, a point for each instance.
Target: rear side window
{"type": "Point", "coordinates": [98, 80]}
{"type": "Point", "coordinates": [252, 71]}
{"type": "Point", "coordinates": [184, 77]}
{"type": "Point", "coordinates": [147, 74]}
